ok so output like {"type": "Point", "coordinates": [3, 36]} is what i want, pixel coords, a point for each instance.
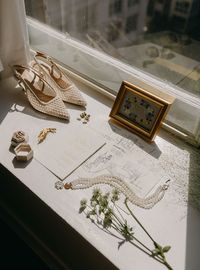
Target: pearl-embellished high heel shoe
{"type": "Point", "coordinates": [65, 88]}
{"type": "Point", "coordinates": [39, 92]}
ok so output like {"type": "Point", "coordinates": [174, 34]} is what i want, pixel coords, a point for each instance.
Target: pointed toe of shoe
{"type": "Point", "coordinates": [55, 107]}
{"type": "Point", "coordinates": [72, 95]}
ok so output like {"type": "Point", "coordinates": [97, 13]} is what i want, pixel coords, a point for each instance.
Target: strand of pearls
{"type": "Point", "coordinates": [121, 186]}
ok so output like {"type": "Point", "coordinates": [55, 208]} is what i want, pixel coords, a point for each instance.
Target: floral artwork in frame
{"type": "Point", "coordinates": [139, 110]}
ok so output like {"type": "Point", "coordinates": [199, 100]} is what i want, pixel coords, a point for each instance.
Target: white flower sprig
{"type": "Point", "coordinates": [104, 211]}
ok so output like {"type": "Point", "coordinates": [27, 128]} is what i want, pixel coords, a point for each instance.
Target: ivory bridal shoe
{"type": "Point", "coordinates": [39, 92]}
{"type": "Point", "coordinates": [65, 88]}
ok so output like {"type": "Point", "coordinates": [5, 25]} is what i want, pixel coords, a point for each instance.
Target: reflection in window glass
{"type": "Point", "coordinates": [132, 2]}
{"type": "Point", "coordinates": [182, 6]}
{"type": "Point", "coordinates": [115, 7]}
{"type": "Point", "coordinates": [159, 37]}
{"type": "Point", "coordinates": [131, 23]}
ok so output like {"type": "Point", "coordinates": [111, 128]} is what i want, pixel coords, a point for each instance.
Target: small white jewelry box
{"type": "Point", "coordinates": [23, 152]}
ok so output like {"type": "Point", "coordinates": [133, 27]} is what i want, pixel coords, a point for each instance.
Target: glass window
{"type": "Point", "coordinates": [156, 40]}
{"type": "Point", "coordinates": [82, 19]}
{"type": "Point", "coordinates": [115, 7]}
{"type": "Point", "coordinates": [175, 37]}
{"type": "Point", "coordinates": [182, 6]}
{"type": "Point", "coordinates": [131, 23]}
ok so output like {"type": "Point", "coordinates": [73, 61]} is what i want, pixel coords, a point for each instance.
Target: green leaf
{"type": "Point", "coordinates": [115, 195]}
{"type": "Point", "coordinates": [83, 202]}
{"type": "Point", "coordinates": [166, 248]}
{"type": "Point", "coordinates": [81, 209]}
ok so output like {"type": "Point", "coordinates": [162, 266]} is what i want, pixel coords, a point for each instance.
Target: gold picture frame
{"type": "Point", "coordinates": [139, 110]}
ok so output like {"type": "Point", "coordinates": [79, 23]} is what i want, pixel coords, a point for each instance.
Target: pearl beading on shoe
{"type": "Point", "coordinates": [120, 185]}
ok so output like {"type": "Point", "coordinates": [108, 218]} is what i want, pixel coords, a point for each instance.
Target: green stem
{"type": "Point", "coordinates": [117, 218]}
{"type": "Point", "coordinates": [122, 209]}
{"type": "Point", "coordinates": [138, 222]}
{"type": "Point", "coordinates": [114, 226]}
{"type": "Point", "coordinates": [167, 264]}
{"type": "Point", "coordinates": [142, 244]}
{"type": "Point", "coordinates": [118, 211]}
{"type": "Point", "coordinates": [158, 259]}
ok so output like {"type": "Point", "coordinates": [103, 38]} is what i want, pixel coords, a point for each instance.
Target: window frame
{"type": "Point", "coordinates": [126, 72]}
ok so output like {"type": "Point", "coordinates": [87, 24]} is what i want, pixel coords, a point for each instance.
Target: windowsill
{"type": "Point", "coordinates": [48, 219]}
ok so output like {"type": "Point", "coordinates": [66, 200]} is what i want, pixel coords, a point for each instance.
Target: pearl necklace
{"type": "Point", "coordinates": [120, 185]}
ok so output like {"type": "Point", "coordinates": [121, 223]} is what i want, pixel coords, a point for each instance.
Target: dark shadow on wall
{"type": "Point", "coordinates": [15, 254]}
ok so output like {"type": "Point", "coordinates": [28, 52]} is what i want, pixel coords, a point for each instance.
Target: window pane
{"type": "Point", "coordinates": [160, 37]}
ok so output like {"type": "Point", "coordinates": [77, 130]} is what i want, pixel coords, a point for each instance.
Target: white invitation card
{"type": "Point", "coordinates": [64, 151]}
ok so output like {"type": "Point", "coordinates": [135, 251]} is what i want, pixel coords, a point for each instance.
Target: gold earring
{"type": "Point", "coordinates": [84, 117]}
